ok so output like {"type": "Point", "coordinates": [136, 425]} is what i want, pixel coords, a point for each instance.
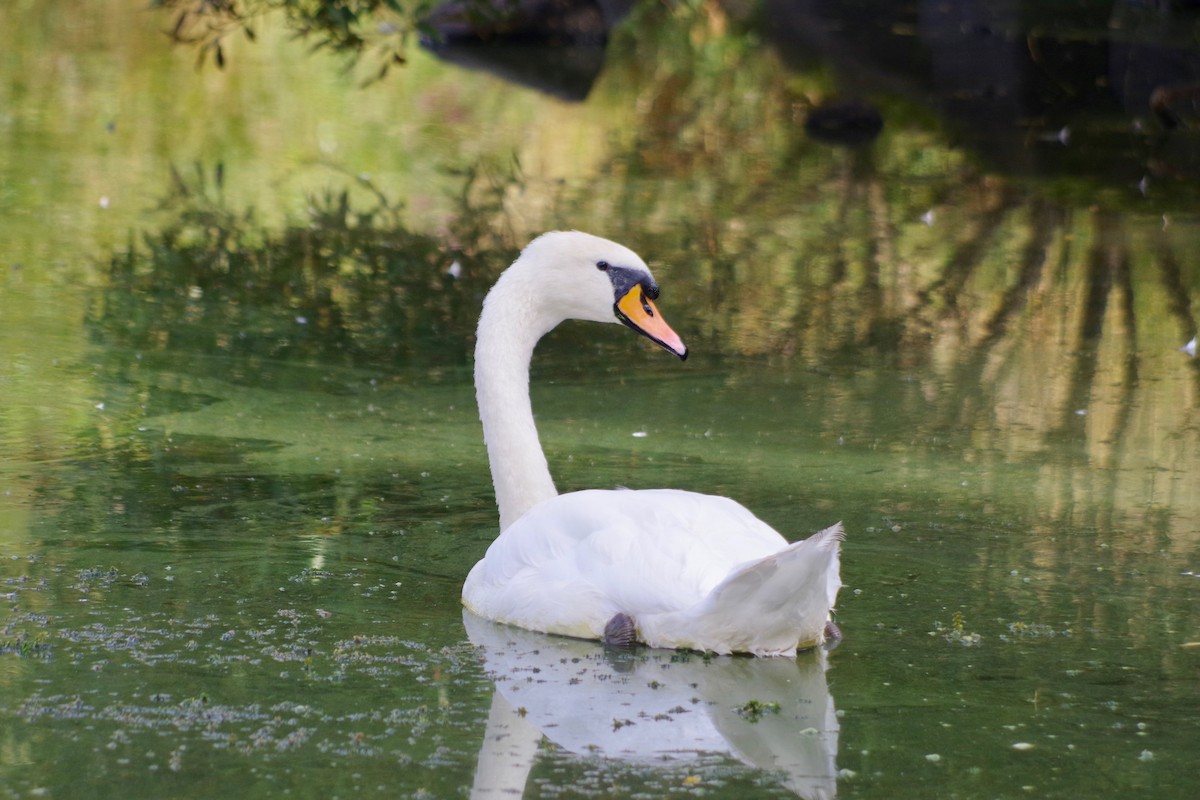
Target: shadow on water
{"type": "Point", "coordinates": [554, 46]}
{"type": "Point", "coordinates": [1103, 90]}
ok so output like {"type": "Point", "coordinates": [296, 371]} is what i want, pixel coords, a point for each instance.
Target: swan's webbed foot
{"type": "Point", "coordinates": [833, 635]}
{"type": "Point", "coordinates": [621, 631]}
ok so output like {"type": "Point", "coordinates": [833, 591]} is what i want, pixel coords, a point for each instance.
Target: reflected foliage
{"type": "Point", "coordinates": [348, 285]}
{"type": "Point", "coordinates": [266, 482]}
{"type": "Point", "coordinates": [380, 30]}
{"type": "Point", "coordinates": [353, 27]}
{"type": "Point", "coordinates": [1038, 330]}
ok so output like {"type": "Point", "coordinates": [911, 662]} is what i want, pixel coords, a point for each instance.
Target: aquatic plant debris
{"type": "Point", "coordinates": [754, 710]}
{"type": "Point", "coordinates": [956, 632]}
{"type": "Point", "coordinates": [168, 674]}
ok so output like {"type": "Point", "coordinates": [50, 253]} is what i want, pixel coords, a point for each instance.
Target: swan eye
{"type": "Point", "coordinates": [602, 266]}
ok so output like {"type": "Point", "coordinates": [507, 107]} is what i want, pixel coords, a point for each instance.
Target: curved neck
{"type": "Point", "coordinates": [509, 328]}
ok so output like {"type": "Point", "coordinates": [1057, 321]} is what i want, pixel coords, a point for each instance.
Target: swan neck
{"type": "Point", "coordinates": [508, 332]}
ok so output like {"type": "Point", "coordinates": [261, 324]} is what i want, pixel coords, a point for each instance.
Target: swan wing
{"type": "Point", "coordinates": [771, 606]}
{"type": "Point", "coordinates": [572, 562]}
{"type": "Point", "coordinates": [777, 603]}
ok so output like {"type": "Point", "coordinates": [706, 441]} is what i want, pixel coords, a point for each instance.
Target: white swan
{"type": "Point", "coordinates": [663, 567]}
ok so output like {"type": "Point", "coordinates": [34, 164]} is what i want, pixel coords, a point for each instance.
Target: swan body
{"type": "Point", "coordinates": [669, 568]}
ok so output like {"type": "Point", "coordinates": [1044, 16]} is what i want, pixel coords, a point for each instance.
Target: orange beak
{"type": "Point", "coordinates": [639, 312]}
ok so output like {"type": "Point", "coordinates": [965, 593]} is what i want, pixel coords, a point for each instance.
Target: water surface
{"type": "Point", "coordinates": [242, 477]}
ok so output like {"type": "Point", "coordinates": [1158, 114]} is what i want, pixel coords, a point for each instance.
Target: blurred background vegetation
{"type": "Point", "coordinates": [1021, 242]}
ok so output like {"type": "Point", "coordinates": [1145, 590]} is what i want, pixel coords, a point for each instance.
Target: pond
{"type": "Point", "coordinates": [935, 267]}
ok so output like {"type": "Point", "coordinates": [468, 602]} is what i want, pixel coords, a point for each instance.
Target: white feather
{"type": "Point", "coordinates": [694, 571]}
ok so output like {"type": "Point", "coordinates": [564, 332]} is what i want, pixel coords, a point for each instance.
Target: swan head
{"type": "Point", "coordinates": [589, 278]}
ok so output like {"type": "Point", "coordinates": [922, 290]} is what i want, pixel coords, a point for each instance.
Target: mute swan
{"type": "Point", "coordinates": [663, 567]}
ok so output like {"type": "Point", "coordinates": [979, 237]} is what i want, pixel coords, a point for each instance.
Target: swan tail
{"type": "Point", "coordinates": [774, 605]}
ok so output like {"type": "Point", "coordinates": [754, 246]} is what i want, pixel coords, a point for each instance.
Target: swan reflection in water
{"type": "Point", "coordinates": [651, 706]}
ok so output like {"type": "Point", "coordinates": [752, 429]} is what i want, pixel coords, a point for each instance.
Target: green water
{"type": "Point", "coordinates": [242, 479]}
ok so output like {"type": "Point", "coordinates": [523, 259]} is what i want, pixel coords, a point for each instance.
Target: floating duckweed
{"type": "Point", "coordinates": [957, 632]}
{"type": "Point", "coordinates": [754, 710]}
{"type": "Point", "coordinates": [1032, 630]}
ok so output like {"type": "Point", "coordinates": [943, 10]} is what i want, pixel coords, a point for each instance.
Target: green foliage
{"type": "Point", "coordinates": [381, 28]}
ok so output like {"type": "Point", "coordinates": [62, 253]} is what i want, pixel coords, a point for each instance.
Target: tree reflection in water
{"type": "Point", "coordinates": [1007, 335]}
